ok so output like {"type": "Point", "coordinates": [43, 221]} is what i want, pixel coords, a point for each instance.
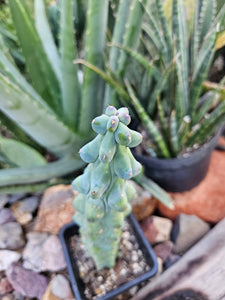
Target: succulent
{"type": "Point", "coordinates": [220, 41]}
{"type": "Point", "coordinates": [46, 106]}
{"type": "Point", "coordinates": [104, 192]}
{"type": "Point", "coordinates": [175, 115]}
{"type": "Point", "coordinates": [165, 80]}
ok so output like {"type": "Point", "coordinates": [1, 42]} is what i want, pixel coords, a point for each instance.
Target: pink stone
{"type": "Point", "coordinates": [6, 216]}
{"type": "Point", "coordinates": [156, 229]}
{"type": "Point", "coordinates": [163, 250]}
{"type": "Point", "coordinates": [25, 282]}
{"type": "Point", "coordinates": [5, 286]}
{"type": "Point", "coordinates": [43, 252]}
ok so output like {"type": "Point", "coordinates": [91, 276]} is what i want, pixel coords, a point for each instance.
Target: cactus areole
{"type": "Point", "coordinates": [104, 192]}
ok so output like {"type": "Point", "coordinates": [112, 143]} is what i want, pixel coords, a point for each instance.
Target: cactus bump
{"type": "Point", "coordinates": [104, 192]}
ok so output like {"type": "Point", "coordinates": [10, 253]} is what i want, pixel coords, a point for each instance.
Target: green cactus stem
{"type": "Point", "coordinates": [104, 192]}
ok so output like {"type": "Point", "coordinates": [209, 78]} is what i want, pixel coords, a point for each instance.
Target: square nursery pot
{"type": "Point", "coordinates": [78, 286]}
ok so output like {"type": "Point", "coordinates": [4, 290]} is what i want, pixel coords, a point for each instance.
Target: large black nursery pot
{"type": "Point", "coordinates": [77, 283]}
{"type": "Point", "coordinates": [182, 173]}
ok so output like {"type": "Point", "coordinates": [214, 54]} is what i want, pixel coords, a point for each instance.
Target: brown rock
{"type": "Point", "coordinates": [23, 209]}
{"type": "Point", "coordinates": [5, 286]}
{"type": "Point", "coordinates": [143, 204]}
{"type": "Point", "coordinates": [56, 209]}
{"type": "Point", "coordinates": [163, 250]}
{"type": "Point", "coordinates": [156, 229]}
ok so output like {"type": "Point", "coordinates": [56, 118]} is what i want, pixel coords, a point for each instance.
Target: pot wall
{"type": "Point", "coordinates": [180, 174]}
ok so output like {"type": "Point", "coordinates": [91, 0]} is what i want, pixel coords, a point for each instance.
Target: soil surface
{"type": "Point", "coordinates": [129, 265]}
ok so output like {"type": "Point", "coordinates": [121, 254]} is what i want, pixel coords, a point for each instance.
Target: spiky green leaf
{"type": "Point", "coordinates": [20, 154]}
{"type": "Point", "coordinates": [46, 37]}
{"type": "Point", "coordinates": [155, 190]}
{"type": "Point", "coordinates": [180, 35]}
{"type": "Point", "coordinates": [16, 176]}
{"type": "Point", "coordinates": [69, 84]}
{"type": "Point", "coordinates": [36, 120]}
{"type": "Point", "coordinates": [40, 69]}
{"type": "Point", "coordinates": [148, 123]}
{"type": "Point", "coordinates": [94, 48]}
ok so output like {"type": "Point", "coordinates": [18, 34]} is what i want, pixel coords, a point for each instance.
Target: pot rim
{"type": "Point", "coordinates": [190, 159]}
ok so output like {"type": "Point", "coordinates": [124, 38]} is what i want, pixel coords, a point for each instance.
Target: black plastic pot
{"type": "Point", "coordinates": [78, 285]}
{"type": "Point", "coordinates": [182, 173]}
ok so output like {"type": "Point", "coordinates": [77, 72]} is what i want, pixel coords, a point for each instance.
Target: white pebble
{"type": "Point", "coordinates": [137, 269]}
{"type": "Point", "coordinates": [126, 235]}
{"type": "Point", "coordinates": [134, 257]}
{"type": "Point", "coordinates": [100, 278]}
{"type": "Point", "coordinates": [123, 272]}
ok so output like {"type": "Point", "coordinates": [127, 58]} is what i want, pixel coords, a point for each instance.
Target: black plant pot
{"type": "Point", "coordinates": [182, 173]}
{"type": "Point", "coordinates": [78, 285]}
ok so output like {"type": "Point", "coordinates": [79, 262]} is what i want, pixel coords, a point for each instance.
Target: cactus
{"type": "Point", "coordinates": [103, 202]}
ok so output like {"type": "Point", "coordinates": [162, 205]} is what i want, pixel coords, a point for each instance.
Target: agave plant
{"type": "Point", "coordinates": [165, 82]}
{"type": "Point", "coordinates": [179, 63]}
{"type": "Point", "coordinates": [48, 107]}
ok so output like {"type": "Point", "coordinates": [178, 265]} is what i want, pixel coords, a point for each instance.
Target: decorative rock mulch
{"type": "Point", "coordinates": [55, 209]}
{"type": "Point", "coordinates": [7, 257]}
{"type": "Point", "coordinates": [32, 264]}
{"type": "Point", "coordinates": [156, 229]}
{"type": "Point", "coordinates": [6, 216]}
{"type": "Point", "coordinates": [58, 288]}
{"type": "Point", "coordinates": [11, 236]}
{"type": "Point", "coordinates": [43, 252]}
{"type": "Point", "coordinates": [187, 230]}
{"type": "Point", "coordinates": [23, 210]}
{"type": "Point", "coordinates": [26, 282]}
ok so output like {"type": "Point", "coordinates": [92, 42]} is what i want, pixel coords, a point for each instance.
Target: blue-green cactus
{"type": "Point", "coordinates": [104, 193]}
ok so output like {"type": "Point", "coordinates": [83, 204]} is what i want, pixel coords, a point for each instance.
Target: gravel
{"type": "Point", "coordinates": [129, 265]}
